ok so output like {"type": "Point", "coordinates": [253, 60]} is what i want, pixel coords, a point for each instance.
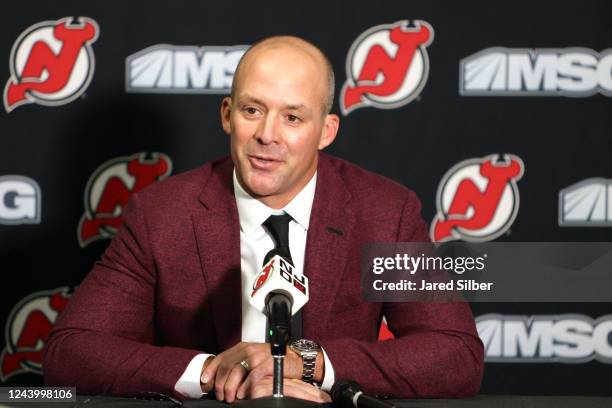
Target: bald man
{"type": "Point", "coordinates": [166, 309]}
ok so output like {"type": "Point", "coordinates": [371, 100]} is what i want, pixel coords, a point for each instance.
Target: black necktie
{"type": "Point", "coordinates": [278, 226]}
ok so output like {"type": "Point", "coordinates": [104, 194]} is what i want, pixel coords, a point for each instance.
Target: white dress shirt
{"type": "Point", "coordinates": [255, 243]}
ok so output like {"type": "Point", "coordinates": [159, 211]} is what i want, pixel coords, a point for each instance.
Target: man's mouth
{"type": "Point", "coordinates": [263, 162]}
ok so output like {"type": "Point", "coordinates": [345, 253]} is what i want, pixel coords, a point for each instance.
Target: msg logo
{"type": "Point", "coordinates": [19, 200]}
{"type": "Point", "coordinates": [568, 338]}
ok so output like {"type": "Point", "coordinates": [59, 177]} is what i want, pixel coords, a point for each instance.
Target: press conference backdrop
{"type": "Point", "coordinates": [512, 99]}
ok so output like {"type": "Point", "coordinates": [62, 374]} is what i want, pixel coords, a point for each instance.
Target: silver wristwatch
{"type": "Point", "coordinates": [308, 349]}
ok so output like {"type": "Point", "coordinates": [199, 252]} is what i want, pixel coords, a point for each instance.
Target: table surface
{"type": "Point", "coordinates": [481, 401]}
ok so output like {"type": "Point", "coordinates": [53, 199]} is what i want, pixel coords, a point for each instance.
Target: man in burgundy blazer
{"type": "Point", "coordinates": [169, 287]}
{"type": "Point", "coordinates": [173, 270]}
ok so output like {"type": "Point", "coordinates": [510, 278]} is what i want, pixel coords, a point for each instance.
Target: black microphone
{"type": "Point", "coordinates": [348, 394]}
{"type": "Point", "coordinates": [279, 291]}
{"type": "Point", "coordinates": [278, 310]}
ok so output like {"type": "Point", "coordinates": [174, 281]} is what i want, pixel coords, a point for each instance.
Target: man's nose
{"type": "Point", "coordinates": [267, 132]}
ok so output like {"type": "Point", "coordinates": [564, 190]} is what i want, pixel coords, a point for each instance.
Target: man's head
{"type": "Point", "coordinates": [278, 117]}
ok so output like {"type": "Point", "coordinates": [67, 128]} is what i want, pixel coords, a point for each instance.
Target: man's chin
{"type": "Point", "coordinates": [259, 187]}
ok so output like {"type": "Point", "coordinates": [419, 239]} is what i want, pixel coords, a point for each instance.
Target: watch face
{"type": "Point", "coordinates": [305, 345]}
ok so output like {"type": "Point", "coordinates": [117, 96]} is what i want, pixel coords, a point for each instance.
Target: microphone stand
{"type": "Point", "coordinates": [278, 376]}
{"type": "Point", "coordinates": [279, 323]}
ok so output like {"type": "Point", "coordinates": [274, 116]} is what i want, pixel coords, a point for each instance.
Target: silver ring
{"type": "Point", "coordinates": [245, 364]}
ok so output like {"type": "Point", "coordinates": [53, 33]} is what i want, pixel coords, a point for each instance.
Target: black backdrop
{"type": "Point", "coordinates": [561, 140]}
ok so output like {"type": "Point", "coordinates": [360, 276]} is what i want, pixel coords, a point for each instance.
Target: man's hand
{"type": "Point", "coordinates": [291, 388]}
{"type": "Point", "coordinates": [230, 380]}
{"type": "Point", "coordinates": [256, 376]}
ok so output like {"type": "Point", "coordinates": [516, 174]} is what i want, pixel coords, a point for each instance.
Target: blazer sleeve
{"type": "Point", "coordinates": [102, 342]}
{"type": "Point", "coordinates": [436, 352]}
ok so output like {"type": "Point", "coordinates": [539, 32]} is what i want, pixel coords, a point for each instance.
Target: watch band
{"type": "Point", "coordinates": [310, 362]}
{"type": "Point", "coordinates": [308, 350]}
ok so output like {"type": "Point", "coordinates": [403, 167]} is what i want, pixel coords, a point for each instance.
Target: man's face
{"type": "Point", "coordinates": [277, 125]}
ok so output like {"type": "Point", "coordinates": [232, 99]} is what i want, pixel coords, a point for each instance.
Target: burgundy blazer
{"type": "Point", "coordinates": [168, 288]}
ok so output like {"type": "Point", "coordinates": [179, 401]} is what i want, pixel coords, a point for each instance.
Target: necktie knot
{"type": "Point", "coordinates": [278, 226]}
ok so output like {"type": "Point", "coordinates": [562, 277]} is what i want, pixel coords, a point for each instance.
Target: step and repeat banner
{"type": "Point", "coordinates": [497, 114]}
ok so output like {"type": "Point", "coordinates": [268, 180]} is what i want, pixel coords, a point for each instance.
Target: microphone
{"type": "Point", "coordinates": [279, 292]}
{"type": "Point", "coordinates": [278, 310]}
{"type": "Point", "coordinates": [348, 394]}
{"type": "Point", "coordinates": [278, 275]}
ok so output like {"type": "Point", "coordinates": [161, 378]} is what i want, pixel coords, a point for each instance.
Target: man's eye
{"type": "Point", "coordinates": [292, 118]}
{"type": "Point", "coordinates": [251, 111]}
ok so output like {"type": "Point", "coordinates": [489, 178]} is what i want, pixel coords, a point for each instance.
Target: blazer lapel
{"type": "Point", "coordinates": [217, 231]}
{"type": "Point", "coordinates": [329, 235]}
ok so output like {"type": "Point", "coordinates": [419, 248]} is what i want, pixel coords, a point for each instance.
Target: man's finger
{"type": "Point", "coordinates": [292, 388]}
{"type": "Point", "coordinates": [206, 384]}
{"type": "Point", "coordinates": [209, 373]}
{"type": "Point", "coordinates": [233, 381]}
{"type": "Point", "coordinates": [243, 390]}
{"type": "Point", "coordinates": [263, 366]}
{"type": "Point", "coordinates": [263, 370]}
{"type": "Point", "coordinates": [301, 389]}
{"type": "Point", "coordinates": [220, 379]}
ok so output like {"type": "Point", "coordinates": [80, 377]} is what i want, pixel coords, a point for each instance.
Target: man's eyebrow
{"type": "Point", "coordinates": [249, 98]}
{"type": "Point", "coordinates": [298, 107]}
{"type": "Point", "coordinates": [292, 106]}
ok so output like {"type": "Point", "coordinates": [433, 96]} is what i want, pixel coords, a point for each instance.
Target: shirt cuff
{"type": "Point", "coordinates": [189, 383]}
{"type": "Point", "coordinates": [329, 377]}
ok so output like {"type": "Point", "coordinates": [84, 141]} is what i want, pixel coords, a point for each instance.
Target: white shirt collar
{"type": "Point", "coordinates": [252, 213]}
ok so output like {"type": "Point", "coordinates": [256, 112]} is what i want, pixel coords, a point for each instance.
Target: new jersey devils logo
{"type": "Point", "coordinates": [263, 277]}
{"type": "Point", "coordinates": [477, 199]}
{"type": "Point", "coordinates": [51, 63]}
{"type": "Point", "coordinates": [27, 329]}
{"type": "Point", "coordinates": [109, 189]}
{"type": "Point", "coordinates": [387, 66]}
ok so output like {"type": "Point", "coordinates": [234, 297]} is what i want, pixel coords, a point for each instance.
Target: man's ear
{"type": "Point", "coordinates": [226, 110]}
{"type": "Point", "coordinates": [330, 130]}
